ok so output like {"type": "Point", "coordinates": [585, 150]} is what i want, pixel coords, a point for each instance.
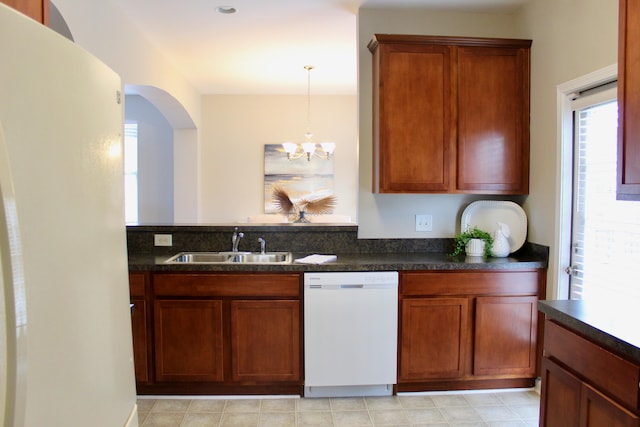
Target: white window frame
{"type": "Point", "coordinates": [565, 129]}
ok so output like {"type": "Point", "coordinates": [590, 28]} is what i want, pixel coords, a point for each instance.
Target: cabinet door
{"type": "Point", "coordinates": [139, 333]}
{"type": "Point", "coordinates": [433, 342]}
{"type": "Point", "coordinates": [188, 340]}
{"type": "Point", "coordinates": [629, 101]}
{"type": "Point", "coordinates": [559, 397]}
{"type": "Point", "coordinates": [598, 410]}
{"type": "Point", "coordinates": [265, 340]}
{"type": "Point", "coordinates": [505, 336]}
{"type": "Point", "coordinates": [493, 120]}
{"type": "Point", "coordinates": [137, 291]}
{"type": "Point", "coordinates": [36, 9]}
{"type": "Point", "coordinates": [413, 120]}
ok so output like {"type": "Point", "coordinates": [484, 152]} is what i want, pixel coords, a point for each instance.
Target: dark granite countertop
{"type": "Point", "coordinates": [353, 262]}
{"type": "Point", "coordinates": [616, 326]}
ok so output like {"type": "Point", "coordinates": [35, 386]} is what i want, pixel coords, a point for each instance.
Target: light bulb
{"type": "Point", "coordinates": [328, 148]}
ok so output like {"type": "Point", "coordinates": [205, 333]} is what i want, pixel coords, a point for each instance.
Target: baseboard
{"type": "Point", "coordinates": [132, 421]}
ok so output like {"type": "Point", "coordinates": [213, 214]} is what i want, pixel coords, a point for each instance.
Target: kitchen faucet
{"type": "Point", "coordinates": [263, 245]}
{"type": "Point", "coordinates": [235, 239]}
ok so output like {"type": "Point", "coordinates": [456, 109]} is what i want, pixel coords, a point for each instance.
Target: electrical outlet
{"type": "Point", "coordinates": [163, 239]}
{"type": "Point", "coordinates": [424, 222]}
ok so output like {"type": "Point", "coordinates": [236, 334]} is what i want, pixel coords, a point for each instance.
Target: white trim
{"type": "Point", "coordinates": [594, 99]}
{"type": "Point", "coordinates": [132, 420]}
{"type": "Point", "coordinates": [560, 283]}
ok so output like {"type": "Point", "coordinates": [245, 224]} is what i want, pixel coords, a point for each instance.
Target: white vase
{"type": "Point", "coordinates": [501, 247]}
{"type": "Point", "coordinates": [475, 247]}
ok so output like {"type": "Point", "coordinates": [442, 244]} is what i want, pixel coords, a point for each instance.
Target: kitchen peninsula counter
{"type": "Point", "coordinates": [612, 326]}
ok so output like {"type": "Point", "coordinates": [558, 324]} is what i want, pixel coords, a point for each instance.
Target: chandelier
{"type": "Point", "coordinates": [309, 148]}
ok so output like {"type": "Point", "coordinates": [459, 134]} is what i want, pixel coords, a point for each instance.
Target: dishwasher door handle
{"type": "Point", "coordinates": [360, 286]}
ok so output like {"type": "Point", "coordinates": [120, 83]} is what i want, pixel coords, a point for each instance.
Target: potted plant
{"type": "Point", "coordinates": [462, 241]}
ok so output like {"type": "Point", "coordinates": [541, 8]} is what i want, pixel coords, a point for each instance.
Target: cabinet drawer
{"type": "Point", "coordinates": [136, 284]}
{"type": "Point", "coordinates": [232, 285]}
{"type": "Point", "coordinates": [469, 283]}
{"type": "Point", "coordinates": [601, 368]}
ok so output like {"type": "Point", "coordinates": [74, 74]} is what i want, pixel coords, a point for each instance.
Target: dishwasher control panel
{"type": "Point", "coordinates": [352, 278]}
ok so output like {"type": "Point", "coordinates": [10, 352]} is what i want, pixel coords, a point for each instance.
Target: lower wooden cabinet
{"type": "Point", "coordinates": [265, 340]}
{"type": "Point", "coordinates": [505, 335]}
{"type": "Point", "coordinates": [434, 338]}
{"type": "Point", "coordinates": [139, 313]}
{"type": "Point", "coordinates": [469, 329]}
{"type": "Point", "coordinates": [188, 340]}
{"type": "Point", "coordinates": [567, 401]}
{"type": "Point", "coordinates": [584, 385]}
{"type": "Point", "coordinates": [225, 333]}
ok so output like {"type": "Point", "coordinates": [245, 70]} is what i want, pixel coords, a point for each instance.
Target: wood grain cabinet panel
{"type": "Point", "coordinates": [139, 332]}
{"type": "Point", "coordinates": [188, 340]}
{"type": "Point", "coordinates": [434, 338]}
{"type": "Point", "coordinates": [493, 120]}
{"type": "Point", "coordinates": [414, 118]}
{"type": "Point", "coordinates": [450, 114]}
{"type": "Point", "coordinates": [505, 335]}
{"type": "Point", "coordinates": [139, 324]}
{"type": "Point", "coordinates": [598, 410]}
{"type": "Point", "coordinates": [560, 397]}
{"type": "Point", "coordinates": [265, 340]}
{"type": "Point", "coordinates": [567, 401]}
{"type": "Point", "coordinates": [629, 101]}
{"type": "Point", "coordinates": [35, 9]}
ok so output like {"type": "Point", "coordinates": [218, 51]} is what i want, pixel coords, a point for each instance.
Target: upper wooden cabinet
{"type": "Point", "coordinates": [36, 9]}
{"type": "Point", "coordinates": [450, 114]}
{"type": "Point", "coordinates": [629, 101]}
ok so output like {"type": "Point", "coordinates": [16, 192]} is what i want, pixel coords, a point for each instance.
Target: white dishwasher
{"type": "Point", "coordinates": [350, 333]}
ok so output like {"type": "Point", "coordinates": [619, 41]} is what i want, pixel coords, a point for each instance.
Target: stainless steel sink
{"type": "Point", "coordinates": [267, 258]}
{"type": "Point", "coordinates": [230, 258]}
{"type": "Point", "coordinates": [198, 258]}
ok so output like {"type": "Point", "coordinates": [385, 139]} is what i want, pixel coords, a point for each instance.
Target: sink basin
{"type": "Point", "coordinates": [230, 258]}
{"type": "Point", "coordinates": [198, 258]}
{"type": "Point", "coordinates": [269, 258]}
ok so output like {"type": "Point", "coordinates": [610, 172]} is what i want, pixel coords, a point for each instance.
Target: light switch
{"type": "Point", "coordinates": [424, 222]}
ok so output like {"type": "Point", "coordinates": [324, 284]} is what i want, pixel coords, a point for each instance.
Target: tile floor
{"type": "Point", "coordinates": [488, 409]}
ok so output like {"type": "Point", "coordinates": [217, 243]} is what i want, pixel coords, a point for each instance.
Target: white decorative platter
{"type": "Point", "coordinates": [485, 214]}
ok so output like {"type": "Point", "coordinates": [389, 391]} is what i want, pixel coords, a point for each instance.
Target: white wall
{"type": "Point", "coordinates": [155, 161]}
{"type": "Point", "coordinates": [571, 38]}
{"type": "Point", "coordinates": [392, 215]}
{"type": "Point", "coordinates": [235, 130]}
{"type": "Point", "coordinates": [105, 31]}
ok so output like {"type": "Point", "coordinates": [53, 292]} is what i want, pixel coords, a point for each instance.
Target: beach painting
{"type": "Point", "coordinates": [300, 178]}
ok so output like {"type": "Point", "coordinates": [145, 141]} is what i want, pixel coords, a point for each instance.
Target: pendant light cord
{"type": "Point", "coordinates": [308, 68]}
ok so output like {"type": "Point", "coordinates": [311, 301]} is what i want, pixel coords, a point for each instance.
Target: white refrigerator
{"type": "Point", "coordinates": [65, 325]}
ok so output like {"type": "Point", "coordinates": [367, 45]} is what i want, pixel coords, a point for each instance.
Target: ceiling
{"type": "Point", "coordinates": [264, 46]}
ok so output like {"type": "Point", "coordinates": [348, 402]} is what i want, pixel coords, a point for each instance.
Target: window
{"type": "Point", "coordinates": [131, 172]}
{"type": "Point", "coordinates": [605, 248]}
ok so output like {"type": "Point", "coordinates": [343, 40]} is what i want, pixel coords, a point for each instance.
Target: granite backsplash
{"type": "Point", "coordinates": [297, 238]}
